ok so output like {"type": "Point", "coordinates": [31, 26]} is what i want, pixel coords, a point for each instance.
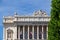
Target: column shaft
{"type": "Point", "coordinates": [33, 32]}
{"type": "Point", "coordinates": [28, 32]}
{"type": "Point", "coordinates": [37, 32]}
{"type": "Point", "coordinates": [42, 33]}
{"type": "Point", "coordinates": [6, 35]}
{"type": "Point", "coordinates": [23, 31]}
{"type": "Point", "coordinates": [19, 33]}
{"type": "Point", "coordinates": [47, 32]}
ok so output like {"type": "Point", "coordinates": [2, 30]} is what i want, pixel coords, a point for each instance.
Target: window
{"type": "Point", "coordinates": [9, 34]}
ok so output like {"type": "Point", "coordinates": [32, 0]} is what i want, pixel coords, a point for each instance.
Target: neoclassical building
{"type": "Point", "coordinates": [33, 27]}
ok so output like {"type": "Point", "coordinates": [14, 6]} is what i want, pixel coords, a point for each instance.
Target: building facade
{"type": "Point", "coordinates": [34, 27]}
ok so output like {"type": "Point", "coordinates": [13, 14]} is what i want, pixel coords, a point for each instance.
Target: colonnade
{"type": "Point", "coordinates": [41, 31]}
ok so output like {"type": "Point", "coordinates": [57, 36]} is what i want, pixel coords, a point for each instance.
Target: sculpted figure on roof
{"type": "Point", "coordinates": [40, 13]}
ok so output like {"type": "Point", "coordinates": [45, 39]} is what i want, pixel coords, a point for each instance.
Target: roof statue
{"type": "Point", "coordinates": [40, 13]}
{"type": "Point", "coordinates": [15, 14]}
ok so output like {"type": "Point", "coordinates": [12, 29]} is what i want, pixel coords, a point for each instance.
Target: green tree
{"type": "Point", "coordinates": [54, 24]}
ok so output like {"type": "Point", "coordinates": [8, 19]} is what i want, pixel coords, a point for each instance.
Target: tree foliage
{"type": "Point", "coordinates": [54, 24]}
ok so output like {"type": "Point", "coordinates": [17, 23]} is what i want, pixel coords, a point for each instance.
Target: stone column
{"type": "Point", "coordinates": [32, 32]}
{"type": "Point", "coordinates": [28, 32]}
{"type": "Point", "coordinates": [19, 33]}
{"type": "Point", "coordinates": [15, 32]}
{"type": "Point", "coordinates": [23, 32]}
{"type": "Point", "coordinates": [37, 32]}
{"type": "Point", "coordinates": [42, 33]}
{"type": "Point", "coordinates": [4, 34]}
{"type": "Point", "coordinates": [47, 32]}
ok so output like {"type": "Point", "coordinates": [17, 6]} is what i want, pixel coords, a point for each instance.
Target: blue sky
{"type": "Point", "coordinates": [22, 7]}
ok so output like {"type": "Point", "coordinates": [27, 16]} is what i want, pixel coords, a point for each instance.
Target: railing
{"type": "Point", "coordinates": [32, 19]}
{"type": "Point", "coordinates": [10, 20]}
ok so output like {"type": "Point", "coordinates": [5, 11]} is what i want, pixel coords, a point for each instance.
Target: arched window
{"type": "Point", "coordinates": [9, 34]}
